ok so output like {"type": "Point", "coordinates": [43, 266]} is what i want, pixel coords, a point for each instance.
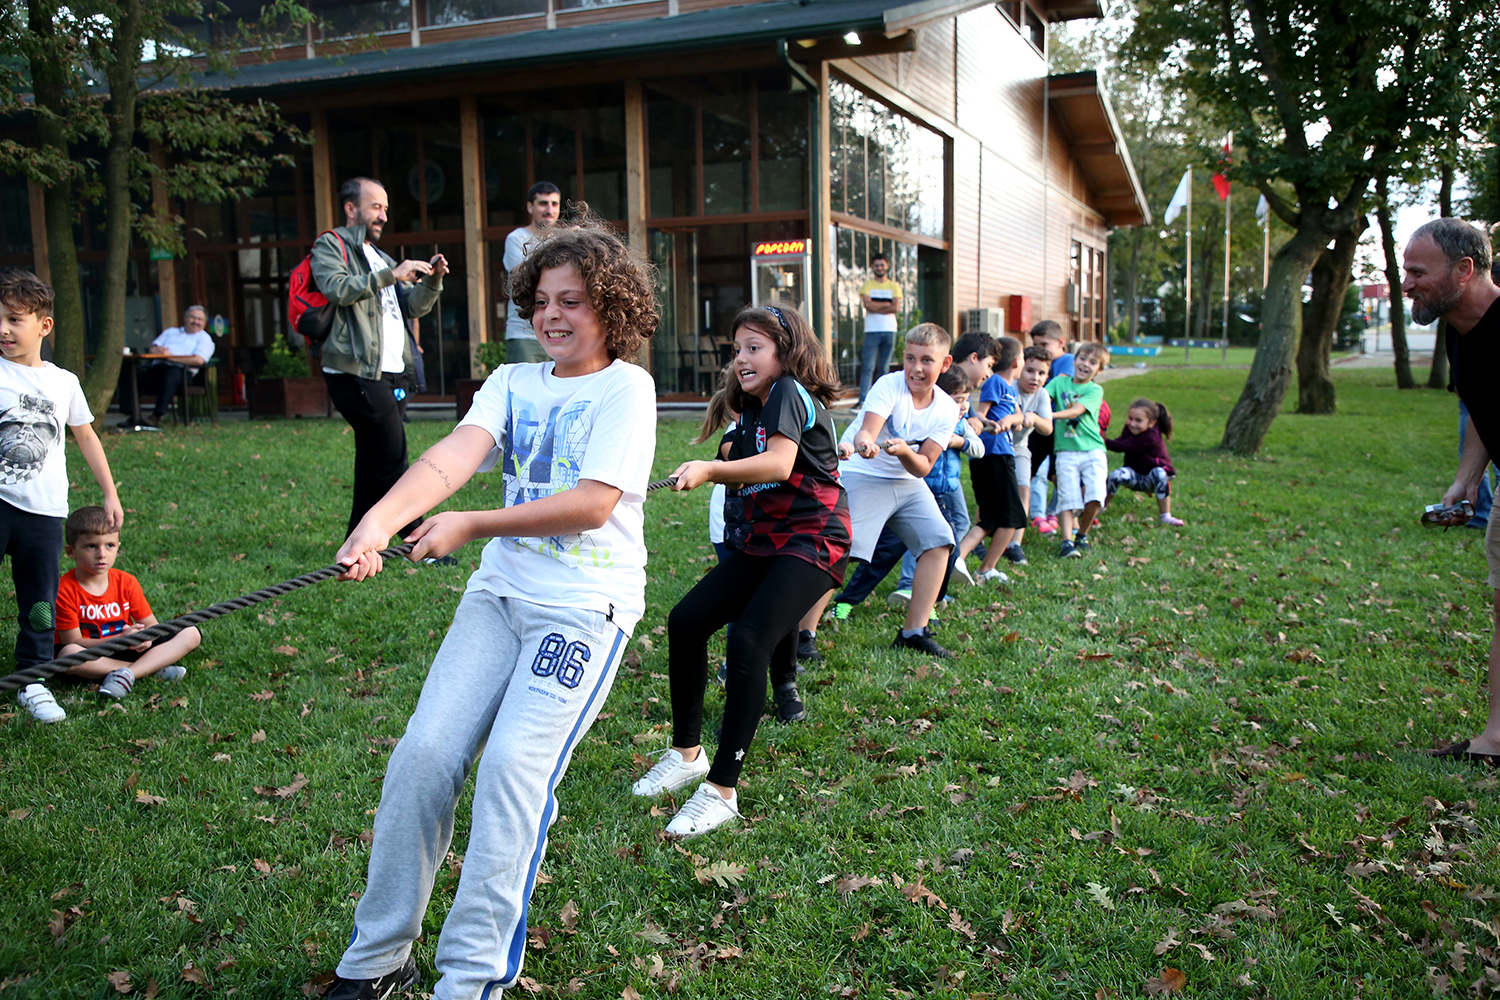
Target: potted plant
{"type": "Point", "coordinates": [285, 386]}
{"type": "Point", "coordinates": [491, 355]}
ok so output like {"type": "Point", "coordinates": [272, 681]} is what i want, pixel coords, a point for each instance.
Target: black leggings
{"type": "Point", "coordinates": [765, 597]}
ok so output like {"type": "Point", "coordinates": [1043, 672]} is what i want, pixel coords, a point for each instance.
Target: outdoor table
{"type": "Point", "coordinates": [132, 363]}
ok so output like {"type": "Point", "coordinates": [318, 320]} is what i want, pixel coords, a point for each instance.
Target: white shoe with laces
{"type": "Point", "coordinates": [706, 810]}
{"type": "Point", "coordinates": [671, 773]}
{"type": "Point", "coordinates": [117, 683]}
{"type": "Point", "coordinates": [37, 700]}
{"type": "Point", "coordinates": [172, 674]}
{"type": "Point", "coordinates": [993, 576]}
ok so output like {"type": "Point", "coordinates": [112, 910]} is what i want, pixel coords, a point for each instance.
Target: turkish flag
{"type": "Point", "coordinates": [1220, 182]}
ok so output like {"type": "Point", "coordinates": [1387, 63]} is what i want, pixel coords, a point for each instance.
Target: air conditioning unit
{"type": "Point", "coordinates": [1070, 299]}
{"type": "Point", "coordinates": [990, 321]}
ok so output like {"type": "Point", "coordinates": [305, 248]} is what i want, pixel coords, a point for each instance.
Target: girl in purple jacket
{"type": "Point", "coordinates": [1148, 467]}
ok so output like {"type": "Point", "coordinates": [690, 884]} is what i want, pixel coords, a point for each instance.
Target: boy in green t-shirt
{"type": "Point", "coordinates": [1078, 447]}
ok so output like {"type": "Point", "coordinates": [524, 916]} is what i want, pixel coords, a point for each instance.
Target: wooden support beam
{"type": "Point", "coordinates": [1095, 149]}
{"type": "Point", "coordinates": [324, 189]}
{"type": "Point", "coordinates": [636, 205]}
{"type": "Point", "coordinates": [825, 263]}
{"type": "Point", "coordinates": [475, 271]}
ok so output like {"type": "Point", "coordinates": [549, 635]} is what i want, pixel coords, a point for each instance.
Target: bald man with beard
{"type": "Point", "coordinates": [1448, 277]}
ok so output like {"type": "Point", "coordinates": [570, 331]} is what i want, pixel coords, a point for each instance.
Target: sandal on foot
{"type": "Point", "coordinates": [1461, 752]}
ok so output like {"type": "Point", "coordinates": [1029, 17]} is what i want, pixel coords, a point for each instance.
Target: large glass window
{"type": "Point", "coordinates": [345, 20]}
{"type": "Point", "coordinates": [886, 168]}
{"type": "Point", "coordinates": [441, 12]}
{"type": "Point", "coordinates": [413, 150]}
{"type": "Point", "coordinates": [726, 145]}
{"type": "Point", "coordinates": [578, 143]}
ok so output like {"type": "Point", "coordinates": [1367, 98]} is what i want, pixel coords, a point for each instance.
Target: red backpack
{"type": "Point", "coordinates": [310, 312]}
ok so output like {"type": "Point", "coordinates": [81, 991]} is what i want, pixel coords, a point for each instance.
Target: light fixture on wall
{"type": "Point", "coordinates": [851, 38]}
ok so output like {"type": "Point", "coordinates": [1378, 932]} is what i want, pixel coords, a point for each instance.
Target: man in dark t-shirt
{"type": "Point", "coordinates": [1448, 275]}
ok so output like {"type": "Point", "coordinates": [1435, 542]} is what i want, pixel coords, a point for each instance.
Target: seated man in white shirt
{"type": "Point", "coordinates": [188, 348]}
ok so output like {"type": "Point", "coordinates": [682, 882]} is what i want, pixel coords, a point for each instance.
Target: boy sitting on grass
{"type": "Point", "coordinates": [96, 602]}
{"type": "Point", "coordinates": [1082, 466]}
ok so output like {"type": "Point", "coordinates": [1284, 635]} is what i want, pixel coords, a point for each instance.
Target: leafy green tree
{"type": "Point", "coordinates": [118, 77]}
{"type": "Point", "coordinates": [1322, 96]}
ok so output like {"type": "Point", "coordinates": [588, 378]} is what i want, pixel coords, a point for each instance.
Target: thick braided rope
{"type": "Point", "coordinates": [167, 629]}
{"type": "Point", "coordinates": [164, 630]}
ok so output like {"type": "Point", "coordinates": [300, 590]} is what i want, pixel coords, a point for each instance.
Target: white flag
{"type": "Point", "coordinates": [1180, 198]}
{"type": "Point", "coordinates": [1262, 210]}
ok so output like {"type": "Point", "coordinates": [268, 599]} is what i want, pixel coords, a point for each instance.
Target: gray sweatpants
{"type": "Point", "coordinates": [524, 683]}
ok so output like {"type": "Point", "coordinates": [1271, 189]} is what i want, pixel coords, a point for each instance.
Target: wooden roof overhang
{"type": "Point", "coordinates": [1084, 117]}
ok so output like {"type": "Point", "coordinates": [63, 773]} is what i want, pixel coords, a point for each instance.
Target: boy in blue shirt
{"type": "Point", "coordinates": [994, 475]}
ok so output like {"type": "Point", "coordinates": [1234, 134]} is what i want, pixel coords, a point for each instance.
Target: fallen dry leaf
{"type": "Point", "coordinates": [629, 993]}
{"type": "Point", "coordinates": [19, 813]}
{"type": "Point", "coordinates": [1170, 981]}
{"type": "Point", "coordinates": [193, 974]}
{"type": "Point", "coordinates": [854, 883]}
{"type": "Point", "coordinates": [120, 980]}
{"type": "Point", "coordinates": [263, 696]}
{"type": "Point", "coordinates": [284, 792]}
{"type": "Point", "coordinates": [145, 798]}
{"type": "Point", "coordinates": [286, 650]}
{"type": "Point", "coordinates": [722, 873]}
{"type": "Point", "coordinates": [261, 866]}
{"type": "Point", "coordinates": [259, 736]}
{"type": "Point", "coordinates": [569, 916]}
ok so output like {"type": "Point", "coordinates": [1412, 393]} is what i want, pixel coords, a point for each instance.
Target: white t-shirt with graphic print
{"type": "Point", "coordinates": [392, 326]}
{"type": "Point", "coordinates": [35, 403]}
{"type": "Point", "coordinates": [549, 433]}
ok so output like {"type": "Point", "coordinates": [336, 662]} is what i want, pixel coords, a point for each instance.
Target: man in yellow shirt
{"type": "Point", "coordinates": [881, 298]}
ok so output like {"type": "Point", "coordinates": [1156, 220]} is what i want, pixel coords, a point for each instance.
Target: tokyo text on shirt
{"type": "Point", "coordinates": [99, 616]}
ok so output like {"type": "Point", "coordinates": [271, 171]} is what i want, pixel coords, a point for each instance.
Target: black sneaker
{"type": "Point", "coordinates": [922, 642]}
{"type": "Point", "coordinates": [1068, 551]}
{"type": "Point", "coordinates": [394, 984]}
{"type": "Point", "coordinates": [441, 561]}
{"type": "Point", "coordinates": [807, 648]}
{"type": "Point", "coordinates": [1014, 553]}
{"type": "Point", "coordinates": [789, 707]}
{"type": "Point", "coordinates": [1081, 545]}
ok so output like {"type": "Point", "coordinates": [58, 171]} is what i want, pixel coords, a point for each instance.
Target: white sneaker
{"type": "Point", "coordinates": [960, 568]}
{"type": "Point", "coordinates": [172, 674]}
{"type": "Point", "coordinates": [993, 576]}
{"type": "Point", "coordinates": [899, 598]}
{"type": "Point", "coordinates": [672, 773]}
{"type": "Point", "coordinates": [706, 810]}
{"type": "Point", "coordinates": [44, 708]}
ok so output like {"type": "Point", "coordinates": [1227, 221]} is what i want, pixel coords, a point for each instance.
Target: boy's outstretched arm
{"type": "Point", "coordinates": [439, 473]}
{"type": "Point", "coordinates": [93, 454]}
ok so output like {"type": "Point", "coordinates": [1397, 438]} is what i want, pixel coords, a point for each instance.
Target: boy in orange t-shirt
{"type": "Point", "coordinates": [96, 602]}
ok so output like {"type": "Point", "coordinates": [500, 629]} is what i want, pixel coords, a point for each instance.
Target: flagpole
{"type": "Point", "coordinates": [1187, 285]}
{"type": "Point", "coordinates": [1224, 346]}
{"type": "Point", "coordinates": [1265, 259]}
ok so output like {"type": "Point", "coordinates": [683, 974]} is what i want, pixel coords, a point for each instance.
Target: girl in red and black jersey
{"type": "Point", "coordinates": [784, 457]}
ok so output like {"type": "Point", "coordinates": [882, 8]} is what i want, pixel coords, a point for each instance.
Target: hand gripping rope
{"type": "Point", "coordinates": [167, 629]}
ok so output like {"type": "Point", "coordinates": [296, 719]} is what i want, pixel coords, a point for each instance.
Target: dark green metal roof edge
{"type": "Point", "coordinates": [718, 28]}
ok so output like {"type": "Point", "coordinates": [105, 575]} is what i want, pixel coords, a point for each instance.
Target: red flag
{"type": "Point", "coordinates": [1220, 182]}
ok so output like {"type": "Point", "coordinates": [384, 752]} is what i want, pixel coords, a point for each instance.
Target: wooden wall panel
{"type": "Point", "coordinates": [999, 86]}
{"type": "Point", "coordinates": [925, 75]}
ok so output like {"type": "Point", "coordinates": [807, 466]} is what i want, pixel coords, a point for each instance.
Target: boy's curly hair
{"type": "Point", "coordinates": [621, 284]}
{"type": "Point", "coordinates": [25, 292]}
{"type": "Point", "coordinates": [86, 521]}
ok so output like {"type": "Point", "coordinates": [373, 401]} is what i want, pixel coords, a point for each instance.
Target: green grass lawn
{"type": "Point", "coordinates": [1172, 357]}
{"type": "Point", "coordinates": [1197, 750]}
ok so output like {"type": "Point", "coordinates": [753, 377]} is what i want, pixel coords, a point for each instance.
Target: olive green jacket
{"type": "Point", "coordinates": [353, 345]}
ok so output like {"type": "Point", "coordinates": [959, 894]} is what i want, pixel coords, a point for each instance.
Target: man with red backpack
{"type": "Point", "coordinates": [367, 358]}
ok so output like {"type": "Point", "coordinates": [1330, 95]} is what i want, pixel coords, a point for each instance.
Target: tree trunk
{"type": "Point", "coordinates": [1393, 280]}
{"type": "Point", "coordinates": [1330, 280]}
{"type": "Point", "coordinates": [1281, 326]}
{"type": "Point", "coordinates": [119, 215]}
{"type": "Point", "coordinates": [1205, 292]}
{"type": "Point", "coordinates": [1437, 378]}
{"type": "Point", "coordinates": [50, 91]}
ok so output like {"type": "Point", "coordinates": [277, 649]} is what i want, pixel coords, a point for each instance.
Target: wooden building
{"type": "Point", "coordinates": [928, 130]}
